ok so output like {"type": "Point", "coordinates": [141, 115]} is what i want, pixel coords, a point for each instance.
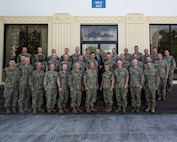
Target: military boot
{"type": "Point", "coordinates": [118, 109]}
{"type": "Point", "coordinates": [88, 110]}
{"type": "Point", "coordinates": [109, 109]}
{"type": "Point", "coordinates": [153, 109]}
{"type": "Point", "coordinates": [93, 109]}
{"type": "Point", "coordinates": [148, 109]}
{"type": "Point", "coordinates": [105, 108]}
{"type": "Point", "coordinates": [40, 110]}
{"type": "Point", "coordinates": [49, 110]}
{"type": "Point", "coordinates": [14, 109]}
{"type": "Point", "coordinates": [27, 109]}
{"type": "Point", "coordinates": [133, 109]}
{"type": "Point", "coordinates": [137, 110]}
{"type": "Point", "coordinates": [159, 98]}
{"type": "Point", "coordinates": [60, 111]}
{"type": "Point", "coordinates": [8, 110]}
{"type": "Point", "coordinates": [53, 110]}
{"type": "Point", "coordinates": [124, 110]}
{"type": "Point", "coordinates": [164, 98]}
{"type": "Point", "coordinates": [34, 111]}
{"type": "Point", "coordinates": [65, 109]}
{"type": "Point", "coordinates": [74, 110]}
{"type": "Point", "coordinates": [79, 109]}
{"type": "Point", "coordinates": [21, 110]}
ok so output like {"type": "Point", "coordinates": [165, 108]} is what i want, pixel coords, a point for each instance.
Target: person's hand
{"type": "Point", "coordinates": [71, 89]}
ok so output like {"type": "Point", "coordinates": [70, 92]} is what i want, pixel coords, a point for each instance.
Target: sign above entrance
{"type": "Point", "coordinates": [98, 3]}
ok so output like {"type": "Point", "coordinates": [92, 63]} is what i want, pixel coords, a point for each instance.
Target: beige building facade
{"type": "Point", "coordinates": [64, 30]}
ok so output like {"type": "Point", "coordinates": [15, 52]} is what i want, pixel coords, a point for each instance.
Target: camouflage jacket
{"type": "Point", "coordinates": [50, 80]}
{"type": "Point", "coordinates": [161, 67]}
{"type": "Point", "coordinates": [171, 62]}
{"type": "Point", "coordinates": [26, 55]}
{"type": "Point", "coordinates": [56, 63]}
{"type": "Point", "coordinates": [63, 77]}
{"type": "Point", "coordinates": [69, 65]}
{"type": "Point", "coordinates": [107, 78]}
{"type": "Point", "coordinates": [75, 79]}
{"type": "Point", "coordinates": [91, 78]}
{"type": "Point", "coordinates": [112, 65]}
{"type": "Point", "coordinates": [115, 58]}
{"type": "Point", "coordinates": [75, 57]}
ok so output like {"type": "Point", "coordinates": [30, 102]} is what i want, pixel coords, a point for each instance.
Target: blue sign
{"type": "Point", "coordinates": [98, 3]}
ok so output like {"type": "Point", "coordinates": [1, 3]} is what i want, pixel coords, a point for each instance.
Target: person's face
{"type": "Point", "coordinates": [109, 57]}
{"type": "Point", "coordinates": [66, 51]}
{"type": "Point", "coordinates": [92, 56]}
{"type": "Point", "coordinates": [122, 57]}
{"type": "Point", "coordinates": [136, 49]}
{"type": "Point", "coordinates": [119, 64]}
{"type": "Point", "coordinates": [149, 65]}
{"type": "Point", "coordinates": [87, 51]}
{"type": "Point", "coordinates": [40, 57]}
{"type": "Point", "coordinates": [145, 51]}
{"type": "Point", "coordinates": [92, 65]}
{"type": "Point", "coordinates": [66, 58]}
{"type": "Point", "coordinates": [80, 58]}
{"type": "Point", "coordinates": [38, 66]}
{"type": "Point", "coordinates": [12, 63]}
{"type": "Point", "coordinates": [52, 67]}
{"type": "Point", "coordinates": [126, 50]}
{"type": "Point", "coordinates": [98, 52]}
{"type": "Point", "coordinates": [135, 56]}
{"type": "Point", "coordinates": [148, 60]}
{"type": "Point", "coordinates": [27, 61]}
{"type": "Point", "coordinates": [77, 66]}
{"type": "Point", "coordinates": [24, 50]}
{"type": "Point", "coordinates": [106, 68]}
{"type": "Point", "coordinates": [113, 51]}
{"type": "Point", "coordinates": [53, 51]}
{"type": "Point", "coordinates": [135, 63]}
{"type": "Point", "coordinates": [155, 50]}
{"type": "Point", "coordinates": [22, 59]}
{"type": "Point", "coordinates": [77, 50]}
{"type": "Point", "coordinates": [166, 53]}
{"type": "Point", "coordinates": [54, 56]}
{"type": "Point", "coordinates": [39, 50]}
{"type": "Point", "coordinates": [64, 67]}
{"type": "Point", "coordinates": [160, 56]}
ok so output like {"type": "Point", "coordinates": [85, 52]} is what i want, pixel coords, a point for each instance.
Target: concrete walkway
{"type": "Point", "coordinates": [88, 128]}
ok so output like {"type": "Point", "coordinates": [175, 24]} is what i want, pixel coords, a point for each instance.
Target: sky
{"type": "Point", "coordinates": [84, 7]}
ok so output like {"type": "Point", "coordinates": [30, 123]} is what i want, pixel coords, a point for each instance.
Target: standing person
{"type": "Point", "coordinates": [172, 65]}
{"type": "Point", "coordinates": [154, 54]}
{"type": "Point", "coordinates": [24, 89]}
{"type": "Point", "coordinates": [62, 82]}
{"type": "Point", "coordinates": [75, 56]}
{"type": "Point", "coordinates": [87, 55]}
{"type": "Point", "coordinates": [110, 62]}
{"type": "Point", "coordinates": [50, 87]}
{"type": "Point", "coordinates": [139, 54]}
{"type": "Point", "coordinates": [39, 52]}
{"type": "Point", "coordinates": [66, 52]}
{"type": "Point", "coordinates": [92, 59]}
{"type": "Point", "coordinates": [11, 79]}
{"type": "Point", "coordinates": [44, 65]}
{"type": "Point", "coordinates": [66, 61]}
{"type": "Point", "coordinates": [22, 62]}
{"type": "Point", "coordinates": [53, 51]}
{"type": "Point", "coordinates": [162, 68]}
{"type": "Point", "coordinates": [24, 53]}
{"type": "Point", "coordinates": [121, 86]}
{"type": "Point", "coordinates": [82, 63]}
{"type": "Point", "coordinates": [125, 63]}
{"type": "Point", "coordinates": [54, 61]}
{"type": "Point", "coordinates": [150, 86]}
{"type": "Point", "coordinates": [37, 89]}
{"type": "Point", "coordinates": [115, 56]}
{"type": "Point", "coordinates": [145, 56]}
{"type": "Point", "coordinates": [91, 86]}
{"type": "Point", "coordinates": [127, 55]}
{"type": "Point", "coordinates": [107, 85]}
{"type": "Point", "coordinates": [136, 84]}
{"type": "Point", "coordinates": [75, 83]}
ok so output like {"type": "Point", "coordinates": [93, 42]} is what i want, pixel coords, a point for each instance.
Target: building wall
{"type": "Point", "coordinates": [64, 29]}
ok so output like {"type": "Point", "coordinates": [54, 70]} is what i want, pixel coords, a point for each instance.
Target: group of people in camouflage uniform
{"type": "Point", "coordinates": [55, 79]}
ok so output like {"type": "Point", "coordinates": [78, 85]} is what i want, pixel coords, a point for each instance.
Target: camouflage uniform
{"type": "Point", "coordinates": [69, 65]}
{"type": "Point", "coordinates": [11, 79]}
{"type": "Point", "coordinates": [140, 56]}
{"type": "Point", "coordinates": [121, 92]}
{"type": "Point", "coordinates": [172, 65]}
{"type": "Point", "coordinates": [92, 61]}
{"type": "Point", "coordinates": [151, 82]}
{"type": "Point", "coordinates": [126, 64]}
{"type": "Point", "coordinates": [140, 65]}
{"type": "Point", "coordinates": [36, 57]}
{"type": "Point", "coordinates": [24, 89]}
{"type": "Point", "coordinates": [145, 58]}
{"type": "Point", "coordinates": [75, 57]}
{"type": "Point", "coordinates": [115, 58]}
{"type": "Point", "coordinates": [50, 83]}
{"type": "Point", "coordinates": [63, 95]}
{"type": "Point", "coordinates": [56, 63]}
{"type": "Point", "coordinates": [83, 66]}
{"type": "Point", "coordinates": [91, 93]}
{"type": "Point", "coordinates": [154, 57]}
{"type": "Point", "coordinates": [19, 65]}
{"type": "Point", "coordinates": [50, 58]}
{"type": "Point", "coordinates": [26, 55]}
{"type": "Point", "coordinates": [161, 67]}
{"type": "Point", "coordinates": [136, 80]}
{"type": "Point", "coordinates": [75, 81]}
{"type": "Point", "coordinates": [62, 57]}
{"type": "Point", "coordinates": [128, 57]}
{"type": "Point", "coordinates": [37, 89]}
{"type": "Point", "coordinates": [86, 58]}
{"type": "Point", "coordinates": [107, 78]}
{"type": "Point", "coordinates": [43, 64]}
{"type": "Point", "coordinates": [112, 65]}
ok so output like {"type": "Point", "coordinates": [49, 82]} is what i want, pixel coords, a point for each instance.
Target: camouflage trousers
{"type": "Point", "coordinates": [108, 97]}
{"type": "Point", "coordinates": [170, 80]}
{"type": "Point", "coordinates": [51, 98]}
{"type": "Point", "coordinates": [135, 96]}
{"type": "Point", "coordinates": [91, 96]}
{"type": "Point", "coordinates": [11, 97]}
{"type": "Point", "coordinates": [150, 95]}
{"type": "Point", "coordinates": [37, 98]}
{"type": "Point", "coordinates": [162, 87]}
{"type": "Point", "coordinates": [63, 98]}
{"type": "Point", "coordinates": [24, 96]}
{"type": "Point", "coordinates": [76, 97]}
{"type": "Point", "coordinates": [121, 96]}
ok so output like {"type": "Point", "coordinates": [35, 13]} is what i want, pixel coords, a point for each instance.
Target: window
{"type": "Point", "coordinates": [31, 36]}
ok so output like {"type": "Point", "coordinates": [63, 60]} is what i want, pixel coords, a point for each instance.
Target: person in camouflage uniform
{"type": "Point", "coordinates": [139, 54]}
{"type": "Point", "coordinates": [172, 65]}
{"type": "Point", "coordinates": [53, 51]}
{"type": "Point", "coordinates": [145, 56]}
{"type": "Point", "coordinates": [87, 55]}
{"type": "Point", "coordinates": [140, 64]}
{"type": "Point", "coordinates": [44, 66]}
{"type": "Point", "coordinates": [127, 55]}
{"type": "Point", "coordinates": [92, 59]}
{"type": "Point", "coordinates": [150, 86]}
{"type": "Point", "coordinates": [36, 56]}
{"type": "Point", "coordinates": [148, 60]}
{"type": "Point", "coordinates": [54, 61]}
{"type": "Point", "coordinates": [115, 56]}
{"type": "Point", "coordinates": [66, 61]}
{"type": "Point", "coordinates": [75, 83]}
{"type": "Point", "coordinates": [66, 53]}
{"type": "Point", "coordinates": [125, 63]}
{"type": "Point", "coordinates": [22, 62]}
{"type": "Point", "coordinates": [24, 89]}
{"type": "Point", "coordinates": [154, 55]}
{"type": "Point", "coordinates": [75, 56]}
{"type": "Point", "coordinates": [107, 85]}
{"type": "Point", "coordinates": [162, 67]}
{"type": "Point", "coordinates": [24, 53]}
{"type": "Point", "coordinates": [50, 87]}
{"type": "Point", "coordinates": [37, 90]}
{"type": "Point", "coordinates": [112, 64]}
{"type": "Point", "coordinates": [121, 84]}
{"type": "Point", "coordinates": [91, 86]}
{"type": "Point", "coordinates": [11, 79]}
{"type": "Point", "coordinates": [62, 82]}
{"type": "Point", "coordinates": [82, 63]}
{"type": "Point", "coordinates": [136, 84]}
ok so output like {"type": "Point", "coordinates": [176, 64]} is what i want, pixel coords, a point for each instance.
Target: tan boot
{"type": "Point", "coordinates": [164, 98]}
{"type": "Point", "coordinates": [21, 110]}
{"type": "Point", "coordinates": [60, 111]}
{"type": "Point", "coordinates": [159, 98]}
{"type": "Point", "coordinates": [93, 109]}
{"type": "Point", "coordinates": [65, 109]}
{"type": "Point", "coordinates": [133, 109]}
{"type": "Point", "coordinates": [88, 110]}
{"type": "Point", "coordinates": [74, 110]}
{"type": "Point", "coordinates": [118, 109]}
{"type": "Point", "coordinates": [124, 110]}
{"type": "Point", "coordinates": [79, 109]}
{"type": "Point", "coordinates": [34, 111]}
{"type": "Point", "coordinates": [148, 109]}
{"type": "Point", "coordinates": [14, 109]}
{"type": "Point", "coordinates": [53, 110]}
{"type": "Point", "coordinates": [137, 110]}
{"type": "Point", "coordinates": [109, 109]}
{"type": "Point", "coordinates": [27, 109]}
{"type": "Point", "coordinates": [105, 108]}
{"type": "Point", "coordinates": [153, 109]}
{"type": "Point", "coordinates": [40, 110]}
{"type": "Point", "coordinates": [8, 110]}
{"type": "Point", "coordinates": [49, 111]}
